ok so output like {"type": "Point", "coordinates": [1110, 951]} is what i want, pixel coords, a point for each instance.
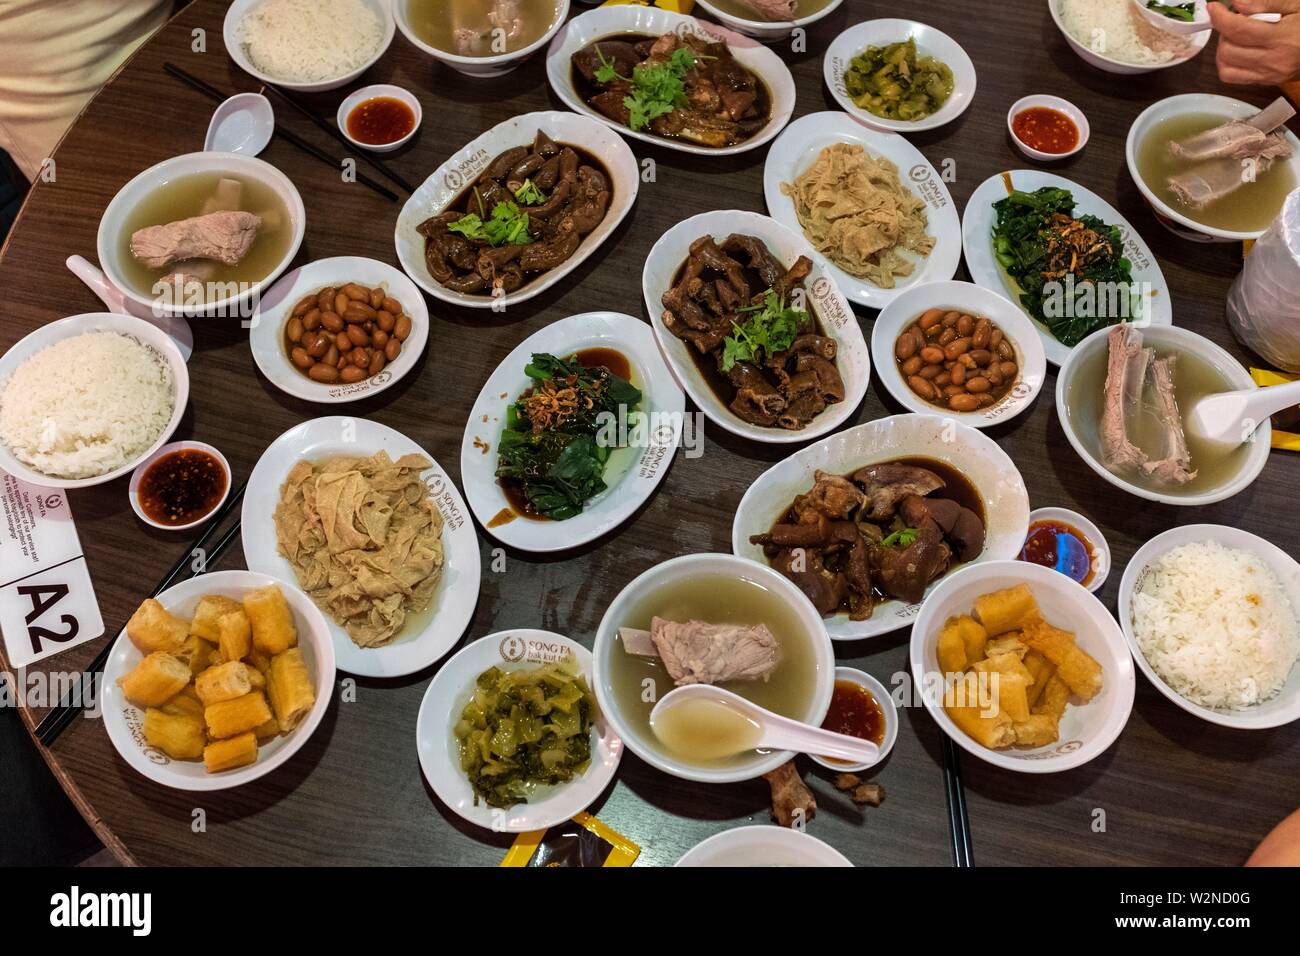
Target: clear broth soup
{"type": "Point", "coordinates": [716, 599]}
{"type": "Point", "coordinates": [1250, 208]}
{"type": "Point", "coordinates": [437, 23]}
{"type": "Point", "coordinates": [196, 195]}
{"type": "Point", "coordinates": [1194, 378]}
{"type": "Point", "coordinates": [804, 8]}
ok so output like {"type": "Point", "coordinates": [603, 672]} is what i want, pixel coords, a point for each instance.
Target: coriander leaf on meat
{"type": "Point", "coordinates": [769, 327]}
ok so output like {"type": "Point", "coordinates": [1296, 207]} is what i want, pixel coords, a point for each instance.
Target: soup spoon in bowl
{"type": "Point", "coordinates": [1199, 23]}
{"type": "Point", "coordinates": [711, 723]}
{"type": "Point", "coordinates": [1230, 418]}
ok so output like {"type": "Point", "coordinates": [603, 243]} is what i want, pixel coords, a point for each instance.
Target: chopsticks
{"type": "Point", "coordinates": [958, 822]}
{"type": "Point", "coordinates": [294, 139]}
{"type": "Point", "coordinates": [57, 720]}
{"type": "Point", "coordinates": [324, 124]}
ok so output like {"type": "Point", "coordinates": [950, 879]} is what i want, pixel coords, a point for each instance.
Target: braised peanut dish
{"type": "Point", "coordinates": [345, 333]}
{"type": "Point", "coordinates": [956, 360]}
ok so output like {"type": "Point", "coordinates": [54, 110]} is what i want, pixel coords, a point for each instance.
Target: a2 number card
{"type": "Point", "coordinates": [47, 603]}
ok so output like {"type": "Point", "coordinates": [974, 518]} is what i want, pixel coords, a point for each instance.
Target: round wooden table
{"type": "Point", "coordinates": [1172, 790]}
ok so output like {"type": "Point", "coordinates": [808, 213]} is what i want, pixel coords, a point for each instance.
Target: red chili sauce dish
{"type": "Point", "coordinates": [1055, 544]}
{"type": "Point", "coordinates": [380, 120]}
{"type": "Point", "coordinates": [855, 711]}
{"type": "Point", "coordinates": [182, 487]}
{"type": "Point", "coordinates": [1046, 130]}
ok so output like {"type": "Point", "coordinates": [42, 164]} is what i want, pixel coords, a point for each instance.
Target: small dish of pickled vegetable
{"type": "Point", "coordinates": [899, 75]}
{"type": "Point", "coordinates": [509, 734]}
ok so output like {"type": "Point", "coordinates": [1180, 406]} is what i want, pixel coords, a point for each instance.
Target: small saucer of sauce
{"type": "Point", "coordinates": [860, 707]}
{"type": "Point", "coordinates": [379, 118]}
{"type": "Point", "coordinates": [180, 485]}
{"type": "Point", "coordinates": [1067, 542]}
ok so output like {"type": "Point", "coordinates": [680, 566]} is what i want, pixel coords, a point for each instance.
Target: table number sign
{"type": "Point", "coordinates": [47, 603]}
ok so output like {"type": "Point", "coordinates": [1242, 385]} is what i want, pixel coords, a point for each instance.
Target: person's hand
{"type": "Point", "coordinates": [1252, 51]}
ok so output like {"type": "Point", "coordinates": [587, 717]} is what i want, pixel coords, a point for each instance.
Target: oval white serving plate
{"type": "Point", "coordinates": [74, 325]}
{"type": "Point", "coordinates": [796, 149]}
{"type": "Point", "coordinates": [453, 604]}
{"type": "Point", "coordinates": [1086, 730]}
{"type": "Point", "coordinates": [974, 454]}
{"type": "Point", "coordinates": [457, 174]}
{"type": "Point", "coordinates": [266, 337]}
{"type": "Point", "coordinates": [964, 297]}
{"type": "Point", "coordinates": [929, 42]}
{"type": "Point", "coordinates": [1283, 707]}
{"type": "Point", "coordinates": [124, 721]}
{"type": "Point", "coordinates": [985, 270]}
{"type": "Point", "coordinates": [653, 21]}
{"type": "Point", "coordinates": [439, 751]}
{"type": "Point", "coordinates": [825, 298]}
{"type": "Point", "coordinates": [632, 473]}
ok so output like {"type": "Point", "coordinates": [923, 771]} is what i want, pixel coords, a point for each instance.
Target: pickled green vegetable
{"type": "Point", "coordinates": [892, 82]}
{"type": "Point", "coordinates": [524, 728]}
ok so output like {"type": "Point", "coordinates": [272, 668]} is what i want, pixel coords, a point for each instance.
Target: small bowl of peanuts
{"type": "Point", "coordinates": [339, 329]}
{"type": "Point", "coordinates": [955, 349]}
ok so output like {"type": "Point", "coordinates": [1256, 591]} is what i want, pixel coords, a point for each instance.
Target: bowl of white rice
{"type": "Point", "coordinates": [1112, 35]}
{"type": "Point", "coordinates": [85, 399]}
{"type": "Point", "coordinates": [307, 45]}
{"type": "Point", "coordinates": [1209, 613]}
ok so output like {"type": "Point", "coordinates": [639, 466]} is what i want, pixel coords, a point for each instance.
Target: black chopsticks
{"type": "Point", "coordinates": [333, 131]}
{"type": "Point", "coordinates": [57, 720]}
{"type": "Point", "coordinates": [292, 138]}
{"type": "Point", "coordinates": [958, 821]}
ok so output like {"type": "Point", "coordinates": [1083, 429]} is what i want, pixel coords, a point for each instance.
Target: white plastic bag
{"type": "Point", "coordinates": [1264, 301]}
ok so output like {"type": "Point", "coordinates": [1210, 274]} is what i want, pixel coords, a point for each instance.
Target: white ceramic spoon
{"type": "Point", "coordinates": [242, 124]}
{"type": "Point", "coordinates": [765, 729]}
{"type": "Point", "coordinates": [1199, 24]}
{"type": "Point", "coordinates": [1230, 418]}
{"type": "Point", "coordinates": [175, 326]}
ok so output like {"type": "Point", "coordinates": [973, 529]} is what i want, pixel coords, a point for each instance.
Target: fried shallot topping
{"type": "Point", "coordinates": [553, 402]}
{"type": "Point", "coordinates": [1071, 245]}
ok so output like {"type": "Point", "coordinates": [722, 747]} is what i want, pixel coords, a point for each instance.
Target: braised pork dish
{"type": "Point", "coordinates": [885, 531]}
{"type": "Point", "coordinates": [678, 87]}
{"type": "Point", "coordinates": [741, 312]}
{"type": "Point", "coordinates": [526, 214]}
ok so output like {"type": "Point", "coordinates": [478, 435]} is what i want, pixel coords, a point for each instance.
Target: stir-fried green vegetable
{"type": "Point", "coordinates": [1174, 11]}
{"type": "Point", "coordinates": [769, 328]}
{"type": "Point", "coordinates": [523, 728]}
{"type": "Point", "coordinates": [657, 89]}
{"type": "Point", "coordinates": [1072, 272]}
{"type": "Point", "coordinates": [892, 82]}
{"type": "Point", "coordinates": [550, 443]}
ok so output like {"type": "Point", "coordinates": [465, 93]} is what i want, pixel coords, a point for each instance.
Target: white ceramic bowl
{"type": "Point", "coordinates": [631, 474]}
{"type": "Point", "coordinates": [427, 635]}
{"type": "Point", "coordinates": [765, 29]}
{"type": "Point", "coordinates": [453, 177]}
{"type": "Point", "coordinates": [763, 845]}
{"type": "Point", "coordinates": [1156, 304]}
{"type": "Point", "coordinates": [375, 91]}
{"type": "Point", "coordinates": [124, 721]}
{"type": "Point", "coordinates": [112, 222]}
{"type": "Point", "coordinates": [266, 336]}
{"type": "Point", "coordinates": [1044, 101]}
{"type": "Point", "coordinates": [654, 21]}
{"type": "Point", "coordinates": [1112, 65]}
{"type": "Point", "coordinates": [47, 335]}
{"type": "Point", "coordinates": [235, 48]}
{"type": "Point", "coordinates": [1282, 708]}
{"type": "Point", "coordinates": [887, 707]}
{"type": "Point", "coordinates": [1197, 103]}
{"type": "Point", "coordinates": [967, 297]}
{"type": "Point", "coordinates": [1100, 554]}
{"type": "Point", "coordinates": [439, 751]}
{"type": "Point", "coordinates": [1082, 433]}
{"type": "Point", "coordinates": [974, 454]}
{"type": "Point", "coordinates": [798, 147]}
{"type": "Point", "coordinates": [133, 490]}
{"type": "Point", "coordinates": [929, 42]}
{"type": "Point", "coordinates": [1086, 730]}
{"type": "Point", "coordinates": [824, 297]}
{"type": "Point", "coordinates": [638, 737]}
{"type": "Point", "coordinates": [479, 66]}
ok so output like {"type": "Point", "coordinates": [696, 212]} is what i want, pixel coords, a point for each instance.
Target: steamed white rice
{"type": "Point", "coordinates": [1216, 624]}
{"type": "Point", "coordinates": [309, 41]}
{"type": "Point", "coordinates": [1116, 30]}
{"type": "Point", "coordinates": [87, 405]}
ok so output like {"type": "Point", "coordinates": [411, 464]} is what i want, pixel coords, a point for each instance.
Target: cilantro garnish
{"type": "Point", "coordinates": [902, 538]}
{"type": "Point", "coordinates": [657, 88]}
{"type": "Point", "coordinates": [508, 225]}
{"type": "Point", "coordinates": [770, 328]}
